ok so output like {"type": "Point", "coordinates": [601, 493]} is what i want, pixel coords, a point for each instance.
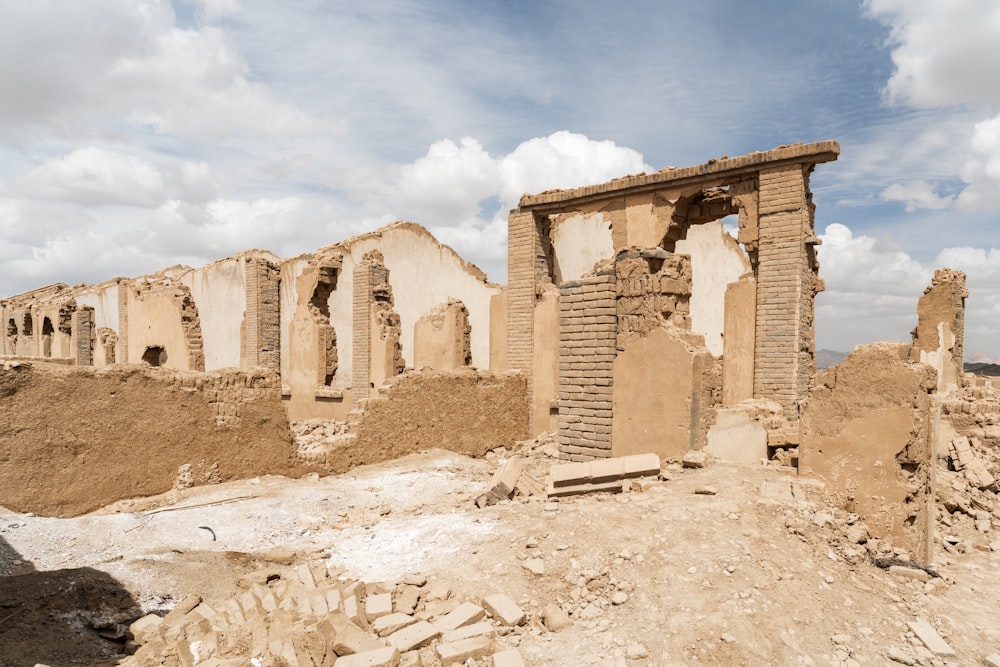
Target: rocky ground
{"type": "Point", "coordinates": [724, 565]}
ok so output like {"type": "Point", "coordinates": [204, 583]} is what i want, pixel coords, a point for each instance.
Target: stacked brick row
{"type": "Point", "coordinates": [786, 283]}
{"type": "Point", "coordinates": [587, 333]}
{"type": "Point", "coordinates": [228, 391]}
{"type": "Point", "coordinates": [191, 324]}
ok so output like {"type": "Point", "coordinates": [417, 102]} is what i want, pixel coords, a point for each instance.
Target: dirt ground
{"type": "Point", "coordinates": [759, 572]}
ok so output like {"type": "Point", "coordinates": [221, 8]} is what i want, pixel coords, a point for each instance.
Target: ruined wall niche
{"type": "Point", "coordinates": [939, 337]}
{"type": "Point", "coordinates": [163, 314]}
{"type": "Point", "coordinates": [442, 338]}
{"type": "Point", "coordinates": [326, 275]}
{"type": "Point", "coordinates": [47, 331]}
{"type": "Point", "coordinates": [107, 341]}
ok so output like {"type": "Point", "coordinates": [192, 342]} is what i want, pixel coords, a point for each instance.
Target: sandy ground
{"type": "Point", "coordinates": [760, 573]}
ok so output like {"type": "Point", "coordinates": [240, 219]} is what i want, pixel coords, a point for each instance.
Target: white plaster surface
{"type": "Point", "coordinates": [579, 242]}
{"type": "Point", "coordinates": [104, 301]}
{"type": "Point", "coordinates": [737, 438]}
{"type": "Point", "coordinates": [219, 292]}
{"type": "Point", "coordinates": [716, 261]}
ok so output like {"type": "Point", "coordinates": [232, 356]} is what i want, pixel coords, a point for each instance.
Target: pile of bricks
{"type": "Point", "coordinates": [311, 617]}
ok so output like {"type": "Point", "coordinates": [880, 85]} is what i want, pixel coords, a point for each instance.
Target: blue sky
{"type": "Point", "coordinates": [137, 134]}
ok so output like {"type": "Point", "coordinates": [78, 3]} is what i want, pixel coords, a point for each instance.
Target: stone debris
{"type": "Point", "coordinates": [509, 658]}
{"type": "Point", "coordinates": [535, 566]}
{"type": "Point", "coordinates": [909, 572]}
{"type": "Point", "coordinates": [695, 459]}
{"type": "Point", "coordinates": [554, 618]}
{"type": "Point", "coordinates": [901, 656]}
{"type": "Point", "coordinates": [611, 474]}
{"type": "Point", "coordinates": [504, 609]}
{"type": "Point", "coordinates": [306, 616]}
{"type": "Point", "coordinates": [965, 460]}
{"type": "Point", "coordinates": [992, 660]}
{"type": "Point", "coordinates": [926, 633]}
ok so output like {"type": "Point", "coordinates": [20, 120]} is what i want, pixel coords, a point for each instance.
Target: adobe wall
{"type": "Point", "coordinates": [866, 432]}
{"type": "Point", "coordinates": [465, 411]}
{"type": "Point", "coordinates": [441, 339]}
{"type": "Point", "coordinates": [124, 432]}
{"type": "Point", "coordinates": [939, 337]}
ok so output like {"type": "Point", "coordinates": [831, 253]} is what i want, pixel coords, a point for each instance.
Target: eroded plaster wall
{"type": "Point", "coordinates": [716, 262]}
{"type": "Point", "coordinates": [938, 339]}
{"type": "Point", "coordinates": [441, 338]}
{"type": "Point", "coordinates": [578, 242]}
{"type": "Point", "coordinates": [157, 319]}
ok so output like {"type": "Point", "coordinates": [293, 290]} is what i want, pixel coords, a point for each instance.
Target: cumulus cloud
{"type": "Point", "coordinates": [215, 9]}
{"type": "Point", "coordinates": [447, 186]}
{"type": "Point", "coordinates": [944, 52]}
{"type": "Point", "coordinates": [94, 176]}
{"type": "Point", "coordinates": [916, 195]}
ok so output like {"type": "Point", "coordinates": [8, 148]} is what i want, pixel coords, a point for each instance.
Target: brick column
{"type": "Point", "coordinates": [83, 336]}
{"type": "Point", "coordinates": [587, 337]}
{"type": "Point", "coordinates": [361, 354]}
{"type": "Point", "coordinates": [262, 333]}
{"type": "Point", "coordinates": [121, 353]}
{"type": "Point", "coordinates": [784, 362]}
{"type": "Point", "coordinates": [522, 242]}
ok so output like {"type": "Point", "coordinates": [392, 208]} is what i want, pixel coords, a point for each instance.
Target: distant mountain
{"type": "Point", "coordinates": [827, 358]}
{"type": "Point", "coordinates": [983, 368]}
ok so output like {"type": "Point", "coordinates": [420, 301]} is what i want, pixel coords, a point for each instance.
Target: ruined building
{"type": "Point", "coordinates": [633, 321]}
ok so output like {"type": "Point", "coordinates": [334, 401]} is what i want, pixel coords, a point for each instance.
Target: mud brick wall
{"type": "Point", "coordinates": [263, 316]}
{"type": "Point", "coordinates": [124, 432]}
{"type": "Point", "coordinates": [784, 363]}
{"type": "Point", "coordinates": [588, 328]}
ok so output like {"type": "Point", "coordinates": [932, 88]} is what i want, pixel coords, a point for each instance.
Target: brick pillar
{"type": "Point", "coordinates": [587, 339]}
{"type": "Point", "coordinates": [262, 330]}
{"type": "Point", "coordinates": [361, 352]}
{"type": "Point", "coordinates": [83, 336]}
{"type": "Point", "coordinates": [784, 361]}
{"type": "Point", "coordinates": [522, 242]}
{"type": "Point", "coordinates": [121, 353]}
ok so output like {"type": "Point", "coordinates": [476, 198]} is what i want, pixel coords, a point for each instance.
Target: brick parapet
{"type": "Point", "coordinates": [587, 333]}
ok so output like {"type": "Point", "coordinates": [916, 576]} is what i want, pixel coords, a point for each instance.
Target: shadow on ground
{"type": "Point", "coordinates": [60, 617]}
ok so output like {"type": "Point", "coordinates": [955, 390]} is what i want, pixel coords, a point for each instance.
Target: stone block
{"type": "Point", "coordinates": [414, 636]}
{"type": "Point", "coordinates": [562, 491]}
{"type": "Point", "coordinates": [641, 465]}
{"type": "Point", "coordinates": [351, 639]}
{"type": "Point", "coordinates": [407, 597]}
{"type": "Point", "coordinates": [410, 659]}
{"type": "Point", "coordinates": [386, 625]}
{"type": "Point", "coordinates": [569, 474]}
{"type": "Point", "coordinates": [695, 459]}
{"type": "Point", "coordinates": [382, 657]}
{"type": "Point", "coordinates": [554, 618]}
{"type": "Point", "coordinates": [480, 629]}
{"type": "Point", "coordinates": [182, 609]}
{"type": "Point", "coordinates": [464, 614]}
{"type": "Point", "coordinates": [378, 605]}
{"type": "Point", "coordinates": [509, 658]}
{"type": "Point", "coordinates": [504, 609]}
{"type": "Point", "coordinates": [607, 470]}
{"type": "Point", "coordinates": [456, 653]}
{"type": "Point", "coordinates": [926, 633]}
{"type": "Point", "coordinates": [144, 628]}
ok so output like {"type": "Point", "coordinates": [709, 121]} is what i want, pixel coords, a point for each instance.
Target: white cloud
{"type": "Point", "coordinates": [916, 195]}
{"type": "Point", "coordinates": [564, 160]}
{"type": "Point", "coordinates": [945, 56]}
{"type": "Point", "coordinates": [216, 9]}
{"type": "Point", "coordinates": [945, 52]}
{"type": "Point", "coordinates": [193, 83]}
{"type": "Point", "coordinates": [94, 176]}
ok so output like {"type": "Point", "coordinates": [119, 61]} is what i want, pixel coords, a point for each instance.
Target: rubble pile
{"type": "Point", "coordinates": [311, 616]}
